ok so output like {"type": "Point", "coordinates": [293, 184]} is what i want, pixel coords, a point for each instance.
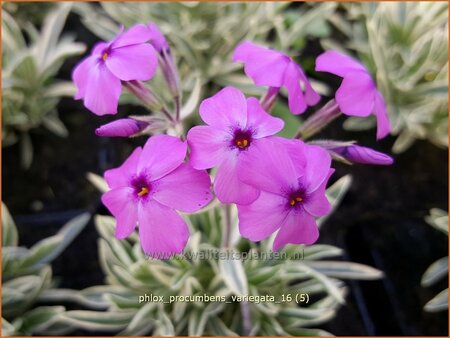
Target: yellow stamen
{"type": "Point", "coordinates": [295, 200]}
{"type": "Point", "coordinates": [104, 56]}
{"type": "Point", "coordinates": [144, 191]}
{"type": "Point", "coordinates": [242, 143]}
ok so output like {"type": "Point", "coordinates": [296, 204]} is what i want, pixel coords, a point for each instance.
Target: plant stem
{"type": "Point", "coordinates": [246, 318]}
{"type": "Point", "coordinates": [227, 237]}
{"type": "Point", "coordinates": [319, 120]}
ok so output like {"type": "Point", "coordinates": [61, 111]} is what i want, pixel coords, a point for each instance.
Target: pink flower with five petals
{"type": "Point", "coordinates": [292, 177]}
{"type": "Point", "coordinates": [268, 67]}
{"type": "Point", "coordinates": [148, 189]}
{"type": "Point", "coordinates": [235, 126]}
{"type": "Point", "coordinates": [358, 94]}
{"type": "Point", "coordinates": [127, 57]}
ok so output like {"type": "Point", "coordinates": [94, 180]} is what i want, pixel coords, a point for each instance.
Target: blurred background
{"type": "Point", "coordinates": [392, 218]}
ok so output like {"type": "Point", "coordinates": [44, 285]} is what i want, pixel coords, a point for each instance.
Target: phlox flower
{"type": "Point", "coordinates": [235, 126]}
{"type": "Point", "coordinates": [127, 57]}
{"type": "Point", "coordinates": [292, 177]}
{"type": "Point", "coordinates": [358, 94]}
{"type": "Point", "coordinates": [148, 189]}
{"type": "Point", "coordinates": [269, 67]}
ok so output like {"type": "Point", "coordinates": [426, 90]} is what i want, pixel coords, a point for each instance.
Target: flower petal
{"type": "Point", "coordinates": [184, 189]}
{"type": "Point", "coordinates": [208, 146]}
{"type": "Point", "coordinates": [80, 76]}
{"type": "Point", "coordinates": [227, 108]}
{"type": "Point", "coordinates": [296, 99]}
{"type": "Point", "coordinates": [311, 96]}
{"type": "Point", "coordinates": [121, 176]}
{"type": "Point", "coordinates": [383, 125]}
{"type": "Point", "coordinates": [260, 121]}
{"type": "Point", "coordinates": [356, 95]}
{"type": "Point", "coordinates": [265, 66]}
{"type": "Point", "coordinates": [317, 203]}
{"type": "Point", "coordinates": [297, 228]}
{"type": "Point", "coordinates": [122, 204]}
{"type": "Point", "coordinates": [136, 34]}
{"type": "Point", "coordinates": [161, 155]}
{"type": "Point", "coordinates": [317, 168]}
{"type": "Point", "coordinates": [136, 62]}
{"type": "Point", "coordinates": [337, 63]}
{"type": "Point", "coordinates": [163, 233]}
{"type": "Point", "coordinates": [228, 187]}
{"type": "Point", "coordinates": [100, 48]}
{"type": "Point", "coordinates": [102, 90]}
{"type": "Point", "coordinates": [157, 38]}
{"type": "Point", "coordinates": [259, 220]}
{"type": "Point", "coordinates": [267, 166]}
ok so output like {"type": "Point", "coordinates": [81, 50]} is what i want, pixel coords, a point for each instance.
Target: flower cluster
{"type": "Point", "coordinates": [278, 184]}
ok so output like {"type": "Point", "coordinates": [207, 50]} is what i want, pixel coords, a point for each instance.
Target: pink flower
{"type": "Point", "coordinates": [358, 94]}
{"type": "Point", "coordinates": [127, 57]}
{"type": "Point", "coordinates": [148, 188]}
{"type": "Point", "coordinates": [292, 177]}
{"type": "Point", "coordinates": [269, 67]}
{"type": "Point", "coordinates": [235, 126]}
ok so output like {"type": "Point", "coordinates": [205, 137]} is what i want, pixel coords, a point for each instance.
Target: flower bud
{"type": "Point", "coordinates": [364, 155]}
{"type": "Point", "coordinates": [121, 128]}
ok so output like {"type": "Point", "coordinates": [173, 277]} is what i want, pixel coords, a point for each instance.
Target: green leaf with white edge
{"type": "Point", "coordinates": [55, 125]}
{"type": "Point", "coordinates": [435, 272]}
{"type": "Point", "coordinates": [142, 322]}
{"type": "Point", "coordinates": [10, 236]}
{"type": "Point", "coordinates": [49, 248]}
{"type": "Point", "coordinates": [345, 270]}
{"type": "Point", "coordinates": [439, 219]}
{"type": "Point", "coordinates": [335, 193]}
{"type": "Point", "coordinates": [319, 251]}
{"type": "Point", "coordinates": [38, 319]}
{"type": "Point", "coordinates": [233, 275]}
{"type": "Point", "coordinates": [88, 297]}
{"type": "Point", "coordinates": [61, 88]}
{"type": "Point", "coordinates": [110, 321]}
{"type": "Point", "coordinates": [332, 289]}
{"type": "Point", "coordinates": [52, 28]}
{"type": "Point", "coordinates": [305, 312]}
{"type": "Point", "coordinates": [216, 327]}
{"type": "Point", "coordinates": [164, 326]}
{"type": "Point", "coordinates": [105, 226]}
{"type": "Point", "coordinates": [359, 124]}
{"type": "Point", "coordinates": [438, 303]}
{"type": "Point", "coordinates": [193, 100]}
{"type": "Point", "coordinates": [97, 181]}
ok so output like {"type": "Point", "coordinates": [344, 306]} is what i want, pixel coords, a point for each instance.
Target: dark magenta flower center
{"type": "Point", "coordinates": [141, 186]}
{"type": "Point", "coordinates": [242, 139]}
{"type": "Point", "coordinates": [296, 198]}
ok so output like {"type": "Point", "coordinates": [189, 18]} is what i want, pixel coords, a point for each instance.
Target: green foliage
{"type": "Point", "coordinates": [405, 46]}
{"type": "Point", "coordinates": [31, 91]}
{"type": "Point", "coordinates": [439, 269]}
{"type": "Point", "coordinates": [130, 275]}
{"type": "Point", "coordinates": [27, 276]}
